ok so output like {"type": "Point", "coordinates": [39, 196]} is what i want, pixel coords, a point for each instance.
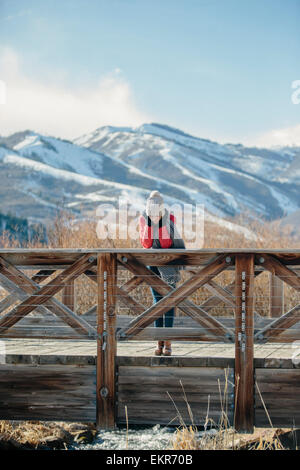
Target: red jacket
{"type": "Point", "coordinates": [146, 233]}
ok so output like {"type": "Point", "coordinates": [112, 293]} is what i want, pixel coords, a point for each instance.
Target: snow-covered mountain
{"type": "Point", "coordinates": [40, 173]}
{"type": "Point", "coordinates": [226, 178]}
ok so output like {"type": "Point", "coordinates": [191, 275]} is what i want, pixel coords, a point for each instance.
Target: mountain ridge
{"type": "Point", "coordinates": [113, 162]}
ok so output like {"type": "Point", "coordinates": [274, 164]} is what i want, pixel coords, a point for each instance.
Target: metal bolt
{"type": "Point", "coordinates": [91, 259]}
{"type": "Point", "coordinates": [228, 259]}
{"type": "Point", "coordinates": [103, 392]}
{"type": "Point", "coordinates": [261, 259]}
{"type": "Point", "coordinates": [124, 259]}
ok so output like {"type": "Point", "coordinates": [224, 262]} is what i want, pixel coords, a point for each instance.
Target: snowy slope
{"type": "Point", "coordinates": [41, 173]}
{"type": "Point", "coordinates": [36, 190]}
{"type": "Point", "coordinates": [228, 178]}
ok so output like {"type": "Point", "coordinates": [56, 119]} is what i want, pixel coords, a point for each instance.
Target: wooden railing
{"type": "Point", "coordinates": [102, 324]}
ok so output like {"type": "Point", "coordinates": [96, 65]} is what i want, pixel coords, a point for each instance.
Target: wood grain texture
{"type": "Point", "coordinates": [21, 283]}
{"type": "Point", "coordinates": [272, 264]}
{"type": "Point", "coordinates": [63, 257]}
{"type": "Point", "coordinates": [162, 395]}
{"type": "Point", "coordinates": [280, 390]}
{"type": "Point", "coordinates": [106, 342]}
{"type": "Point", "coordinates": [276, 304]}
{"type": "Point", "coordinates": [48, 392]}
{"type": "Point", "coordinates": [68, 296]}
{"type": "Point", "coordinates": [178, 297]}
{"type": "Point", "coordinates": [244, 381]}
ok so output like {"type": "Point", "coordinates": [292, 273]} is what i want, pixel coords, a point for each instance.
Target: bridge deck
{"type": "Point", "coordinates": [21, 346]}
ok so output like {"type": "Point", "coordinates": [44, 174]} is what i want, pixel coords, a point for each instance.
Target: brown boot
{"type": "Point", "coordinates": [167, 349]}
{"type": "Point", "coordinates": [158, 351]}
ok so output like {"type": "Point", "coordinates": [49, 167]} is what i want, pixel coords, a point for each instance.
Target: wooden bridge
{"type": "Point", "coordinates": [99, 365]}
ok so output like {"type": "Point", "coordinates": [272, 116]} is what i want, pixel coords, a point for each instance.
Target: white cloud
{"type": "Point", "coordinates": [55, 109]}
{"type": "Point", "coordinates": [277, 137]}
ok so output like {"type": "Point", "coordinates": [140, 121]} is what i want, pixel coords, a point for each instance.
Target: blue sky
{"type": "Point", "coordinates": [219, 69]}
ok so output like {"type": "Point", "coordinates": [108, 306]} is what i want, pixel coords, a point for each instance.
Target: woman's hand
{"type": "Point", "coordinates": [155, 219]}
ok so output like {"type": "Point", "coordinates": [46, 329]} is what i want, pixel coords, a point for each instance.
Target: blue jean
{"type": "Point", "coordinates": [168, 317]}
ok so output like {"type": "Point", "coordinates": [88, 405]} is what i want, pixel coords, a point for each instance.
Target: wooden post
{"type": "Point", "coordinates": [106, 342]}
{"type": "Point", "coordinates": [244, 311]}
{"type": "Point", "coordinates": [68, 296]}
{"type": "Point", "coordinates": [276, 296]}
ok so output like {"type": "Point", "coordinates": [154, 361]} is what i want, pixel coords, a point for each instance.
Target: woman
{"type": "Point", "coordinates": [158, 230]}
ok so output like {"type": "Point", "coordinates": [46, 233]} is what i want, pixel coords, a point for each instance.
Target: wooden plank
{"type": "Point", "coordinates": [47, 392]}
{"type": "Point", "coordinates": [68, 296]}
{"type": "Point", "coordinates": [279, 389]}
{"type": "Point", "coordinates": [30, 328]}
{"type": "Point", "coordinates": [144, 391]}
{"type": "Point", "coordinates": [43, 294]}
{"type": "Point", "coordinates": [62, 257]}
{"type": "Point", "coordinates": [106, 342]}
{"type": "Point", "coordinates": [177, 296]}
{"type": "Point", "coordinates": [276, 306]}
{"type": "Point", "coordinates": [244, 380]}
{"type": "Point", "coordinates": [174, 334]}
{"type": "Point", "coordinates": [130, 285]}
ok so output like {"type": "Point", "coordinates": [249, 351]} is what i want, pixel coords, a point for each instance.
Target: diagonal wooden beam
{"type": "Point", "coordinates": [131, 284]}
{"type": "Point", "coordinates": [278, 326]}
{"type": "Point", "coordinates": [11, 298]}
{"type": "Point", "coordinates": [272, 264]}
{"type": "Point", "coordinates": [53, 305]}
{"type": "Point", "coordinates": [197, 313]}
{"type": "Point", "coordinates": [123, 296]}
{"type": "Point", "coordinates": [290, 318]}
{"type": "Point", "coordinates": [128, 301]}
{"type": "Point", "coordinates": [206, 305]}
{"type": "Point", "coordinates": [138, 308]}
{"type": "Point", "coordinates": [230, 288]}
{"type": "Point", "coordinates": [18, 293]}
{"type": "Point", "coordinates": [128, 286]}
{"type": "Point", "coordinates": [177, 296]}
{"type": "Point", "coordinates": [42, 295]}
{"type": "Point", "coordinates": [221, 292]}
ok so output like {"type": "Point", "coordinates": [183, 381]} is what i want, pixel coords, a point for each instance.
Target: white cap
{"type": "Point", "coordinates": [155, 204]}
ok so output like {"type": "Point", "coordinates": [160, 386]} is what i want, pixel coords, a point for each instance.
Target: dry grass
{"type": "Point", "coordinates": [67, 232]}
{"type": "Point", "coordinates": [186, 436]}
{"type": "Point", "coordinates": [224, 437]}
{"type": "Point", "coordinates": [37, 432]}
